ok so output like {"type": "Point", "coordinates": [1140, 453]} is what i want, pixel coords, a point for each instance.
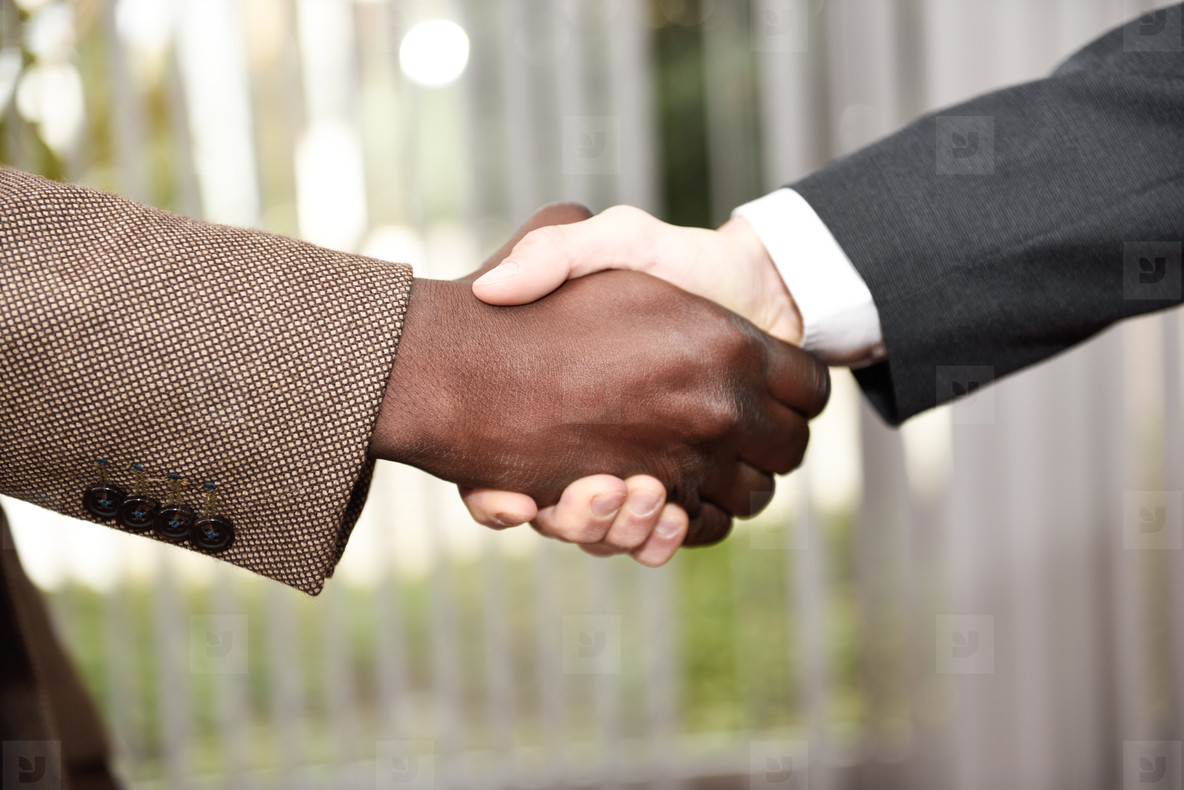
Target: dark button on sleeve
{"type": "Point", "coordinates": [103, 500]}
{"type": "Point", "coordinates": [138, 512]}
{"type": "Point", "coordinates": [212, 533]}
{"type": "Point", "coordinates": [173, 523]}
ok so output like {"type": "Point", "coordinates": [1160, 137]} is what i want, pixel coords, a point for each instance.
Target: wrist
{"type": "Point", "coordinates": [410, 425]}
{"type": "Point", "coordinates": [778, 313]}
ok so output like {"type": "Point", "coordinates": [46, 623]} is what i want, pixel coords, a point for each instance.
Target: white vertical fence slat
{"type": "Point", "coordinates": [1128, 564]}
{"type": "Point", "coordinates": [172, 638]}
{"type": "Point", "coordinates": [124, 703]}
{"type": "Point", "coordinates": [394, 714]}
{"type": "Point", "coordinates": [128, 118]}
{"type": "Point", "coordinates": [884, 513]}
{"type": "Point", "coordinates": [1024, 527]}
{"type": "Point", "coordinates": [501, 704]}
{"type": "Point", "coordinates": [520, 173]}
{"type": "Point", "coordinates": [660, 658]}
{"type": "Point", "coordinates": [233, 716]}
{"type": "Point", "coordinates": [792, 103]}
{"type": "Point", "coordinates": [973, 556]}
{"type": "Point", "coordinates": [548, 635]}
{"type": "Point", "coordinates": [285, 693]}
{"type": "Point", "coordinates": [1173, 477]}
{"type": "Point", "coordinates": [726, 50]}
{"type": "Point", "coordinates": [449, 725]}
{"type": "Point", "coordinates": [631, 68]}
{"type": "Point", "coordinates": [570, 100]}
{"type": "Point", "coordinates": [1115, 476]}
{"type": "Point", "coordinates": [340, 687]}
{"type": "Point", "coordinates": [602, 600]}
{"type": "Point", "coordinates": [807, 566]}
{"type": "Point", "coordinates": [10, 40]}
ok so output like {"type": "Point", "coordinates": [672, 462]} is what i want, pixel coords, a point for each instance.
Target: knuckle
{"type": "Point", "coordinates": [624, 213]}
{"type": "Point", "coordinates": [729, 346]}
{"type": "Point", "coordinates": [547, 237]}
{"type": "Point", "coordinates": [719, 417]}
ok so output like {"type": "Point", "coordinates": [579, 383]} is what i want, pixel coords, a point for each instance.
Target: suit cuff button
{"type": "Point", "coordinates": [173, 523]}
{"type": "Point", "coordinates": [138, 513]}
{"type": "Point", "coordinates": [102, 500]}
{"type": "Point", "coordinates": [212, 533]}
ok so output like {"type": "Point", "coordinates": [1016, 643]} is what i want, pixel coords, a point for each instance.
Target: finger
{"type": "Point", "coordinates": [498, 509]}
{"type": "Point", "coordinates": [551, 214]}
{"type": "Point", "coordinates": [796, 378]}
{"type": "Point", "coordinates": [585, 511]}
{"type": "Point", "coordinates": [778, 446]}
{"type": "Point", "coordinates": [599, 549]}
{"type": "Point", "coordinates": [743, 490]}
{"type": "Point", "coordinates": [709, 525]}
{"type": "Point", "coordinates": [621, 237]}
{"type": "Point", "coordinates": [666, 538]}
{"type": "Point", "coordinates": [639, 515]}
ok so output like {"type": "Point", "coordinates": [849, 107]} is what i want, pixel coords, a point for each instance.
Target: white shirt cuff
{"type": "Point", "coordinates": [840, 323]}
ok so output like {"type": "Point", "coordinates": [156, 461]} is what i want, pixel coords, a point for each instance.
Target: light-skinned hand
{"type": "Point", "coordinates": [606, 515]}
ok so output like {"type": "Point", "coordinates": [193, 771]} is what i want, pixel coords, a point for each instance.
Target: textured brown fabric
{"type": "Point", "coordinates": [250, 360]}
{"type": "Point", "coordinates": [45, 712]}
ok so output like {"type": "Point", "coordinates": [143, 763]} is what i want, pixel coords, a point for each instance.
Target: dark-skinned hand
{"type": "Point", "coordinates": [618, 373]}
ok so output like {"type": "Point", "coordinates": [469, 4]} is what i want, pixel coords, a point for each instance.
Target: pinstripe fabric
{"type": "Point", "coordinates": [252, 361]}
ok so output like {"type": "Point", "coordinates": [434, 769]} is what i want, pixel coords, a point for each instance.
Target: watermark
{"type": "Point", "coordinates": [31, 765]}
{"type": "Point", "coordinates": [591, 144]}
{"type": "Point", "coordinates": [957, 382]}
{"type": "Point", "coordinates": [965, 145]}
{"type": "Point", "coordinates": [218, 644]}
{"type": "Point", "coordinates": [1151, 270]}
{"type": "Point", "coordinates": [592, 644]}
{"type": "Point", "coordinates": [778, 764]}
{"type": "Point", "coordinates": [1155, 31]}
{"type": "Point", "coordinates": [1151, 765]}
{"type": "Point", "coordinates": [1152, 520]}
{"type": "Point", "coordinates": [780, 26]}
{"type": "Point", "coordinates": [778, 533]}
{"type": "Point", "coordinates": [966, 644]}
{"type": "Point", "coordinates": [405, 765]}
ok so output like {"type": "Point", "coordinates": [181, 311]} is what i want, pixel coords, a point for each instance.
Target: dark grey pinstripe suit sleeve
{"type": "Point", "coordinates": [1001, 231]}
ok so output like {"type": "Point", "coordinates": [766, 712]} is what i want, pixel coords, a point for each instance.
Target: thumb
{"type": "Point", "coordinates": [546, 257]}
{"type": "Point", "coordinates": [538, 264]}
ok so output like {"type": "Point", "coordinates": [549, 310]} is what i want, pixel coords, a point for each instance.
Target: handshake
{"type": "Point", "coordinates": [629, 411]}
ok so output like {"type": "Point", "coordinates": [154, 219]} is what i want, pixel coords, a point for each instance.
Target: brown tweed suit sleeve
{"type": "Point", "coordinates": [252, 361]}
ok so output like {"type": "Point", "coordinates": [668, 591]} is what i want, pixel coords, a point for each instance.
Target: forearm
{"type": "Point", "coordinates": [220, 355]}
{"type": "Point", "coordinates": [1007, 255]}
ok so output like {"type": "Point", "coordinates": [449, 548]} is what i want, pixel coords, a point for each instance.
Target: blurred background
{"type": "Point", "coordinates": [990, 597]}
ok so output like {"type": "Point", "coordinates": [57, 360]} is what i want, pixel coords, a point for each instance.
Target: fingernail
{"type": "Point", "coordinates": [507, 520]}
{"type": "Point", "coordinates": [605, 505]}
{"type": "Point", "coordinates": [667, 527]}
{"type": "Point", "coordinates": [644, 503]}
{"type": "Point", "coordinates": [503, 271]}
